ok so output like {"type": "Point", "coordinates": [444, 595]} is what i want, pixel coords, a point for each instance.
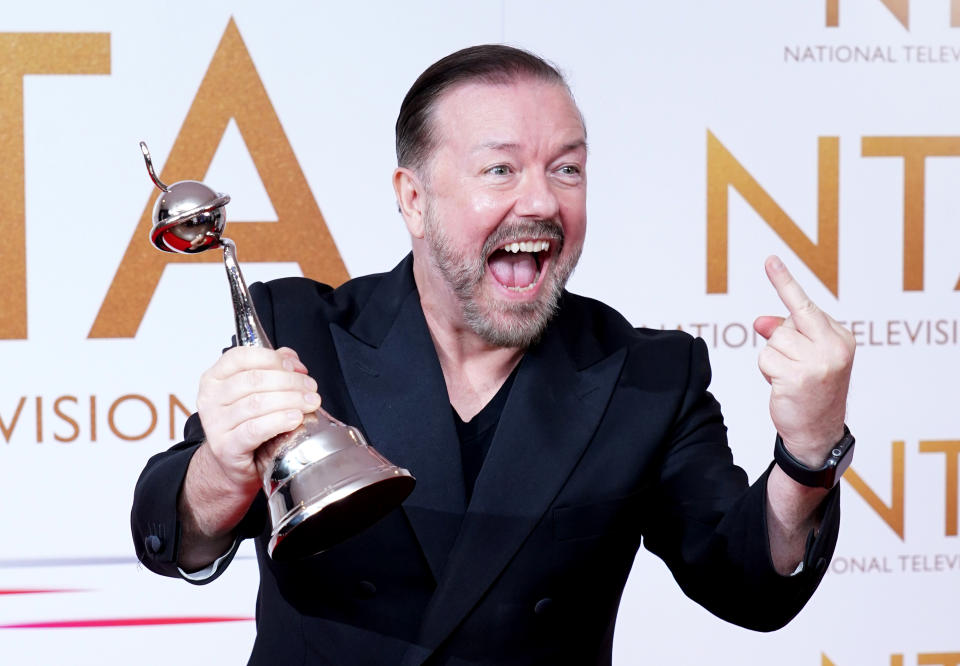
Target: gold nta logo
{"type": "Point", "coordinates": [822, 258]}
{"type": "Point", "coordinates": [231, 89]}
{"type": "Point", "coordinates": [22, 54]}
{"type": "Point", "coordinates": [893, 514]}
{"type": "Point", "coordinates": [923, 659]}
{"type": "Point", "coordinates": [899, 8]}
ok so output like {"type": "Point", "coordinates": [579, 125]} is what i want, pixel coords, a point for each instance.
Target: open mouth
{"type": "Point", "coordinates": [517, 265]}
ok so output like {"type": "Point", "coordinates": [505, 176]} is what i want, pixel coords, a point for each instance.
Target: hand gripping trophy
{"type": "Point", "coordinates": [323, 482]}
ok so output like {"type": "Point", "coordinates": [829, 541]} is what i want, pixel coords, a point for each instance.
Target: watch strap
{"type": "Point", "coordinates": [825, 476]}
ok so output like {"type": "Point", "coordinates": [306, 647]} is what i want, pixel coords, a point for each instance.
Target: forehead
{"type": "Point", "coordinates": [526, 112]}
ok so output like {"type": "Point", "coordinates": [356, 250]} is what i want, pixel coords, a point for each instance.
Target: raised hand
{"type": "Point", "coordinates": [807, 361]}
{"type": "Point", "coordinates": [247, 397]}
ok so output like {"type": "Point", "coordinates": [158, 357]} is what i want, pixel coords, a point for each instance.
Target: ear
{"type": "Point", "coordinates": [410, 199]}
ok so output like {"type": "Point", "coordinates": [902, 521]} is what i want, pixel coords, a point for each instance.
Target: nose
{"type": "Point", "coordinates": [535, 197]}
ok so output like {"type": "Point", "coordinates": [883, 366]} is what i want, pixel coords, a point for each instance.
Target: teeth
{"type": "Point", "coordinates": [527, 246]}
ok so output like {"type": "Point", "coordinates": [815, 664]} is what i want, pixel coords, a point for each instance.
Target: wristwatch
{"type": "Point", "coordinates": [827, 475]}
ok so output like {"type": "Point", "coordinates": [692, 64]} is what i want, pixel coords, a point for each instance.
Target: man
{"type": "Point", "coordinates": [547, 435]}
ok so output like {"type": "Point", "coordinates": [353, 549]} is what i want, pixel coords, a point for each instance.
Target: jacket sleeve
{"type": "Point", "coordinates": [154, 519]}
{"type": "Point", "coordinates": [709, 525]}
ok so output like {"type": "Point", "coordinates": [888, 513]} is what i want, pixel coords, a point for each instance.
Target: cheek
{"type": "Point", "coordinates": [475, 217]}
{"type": "Point", "coordinates": [487, 208]}
{"type": "Point", "coordinates": [466, 224]}
{"type": "Point", "coordinates": [574, 216]}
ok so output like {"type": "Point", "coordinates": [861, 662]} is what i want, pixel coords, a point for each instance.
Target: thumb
{"type": "Point", "coordinates": [766, 325]}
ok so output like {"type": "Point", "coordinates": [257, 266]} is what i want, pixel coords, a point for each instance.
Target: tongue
{"type": "Point", "coordinates": [513, 270]}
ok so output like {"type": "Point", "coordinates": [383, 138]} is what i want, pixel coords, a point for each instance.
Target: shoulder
{"type": "Point", "coordinates": [299, 296]}
{"type": "Point", "coordinates": [654, 362]}
{"type": "Point", "coordinates": [587, 318]}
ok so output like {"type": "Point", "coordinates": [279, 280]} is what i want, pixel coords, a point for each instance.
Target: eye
{"type": "Point", "coordinates": [569, 170]}
{"type": "Point", "coordinates": [499, 170]}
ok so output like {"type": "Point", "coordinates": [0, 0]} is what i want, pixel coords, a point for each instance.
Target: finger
{"type": "Point", "coordinates": [238, 359]}
{"type": "Point", "coordinates": [773, 364]}
{"type": "Point", "coordinates": [790, 342]}
{"type": "Point", "coordinates": [242, 384]}
{"type": "Point", "coordinates": [259, 405]}
{"type": "Point", "coordinates": [250, 434]}
{"type": "Point", "coordinates": [291, 355]}
{"type": "Point", "coordinates": [804, 311]}
{"type": "Point", "coordinates": [766, 325]}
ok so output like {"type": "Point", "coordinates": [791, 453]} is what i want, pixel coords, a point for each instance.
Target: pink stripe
{"type": "Point", "coordinates": [36, 591]}
{"type": "Point", "coordinates": [123, 622]}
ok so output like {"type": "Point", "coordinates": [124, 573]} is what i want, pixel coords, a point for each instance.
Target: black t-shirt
{"type": "Point", "coordinates": [476, 434]}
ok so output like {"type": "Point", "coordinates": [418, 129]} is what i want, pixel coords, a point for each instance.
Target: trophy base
{"type": "Point", "coordinates": [338, 513]}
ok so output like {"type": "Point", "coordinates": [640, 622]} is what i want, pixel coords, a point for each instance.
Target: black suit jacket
{"type": "Point", "coordinates": [608, 436]}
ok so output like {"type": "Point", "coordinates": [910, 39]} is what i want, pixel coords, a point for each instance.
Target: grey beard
{"type": "Point", "coordinates": [516, 325]}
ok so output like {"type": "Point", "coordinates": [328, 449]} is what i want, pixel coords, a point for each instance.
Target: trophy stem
{"type": "Point", "coordinates": [250, 331]}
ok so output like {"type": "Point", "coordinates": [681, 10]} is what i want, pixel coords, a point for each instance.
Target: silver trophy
{"type": "Point", "coordinates": [323, 482]}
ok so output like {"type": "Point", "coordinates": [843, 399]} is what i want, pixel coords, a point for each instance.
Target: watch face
{"type": "Point", "coordinates": [846, 457]}
{"type": "Point", "coordinates": [840, 457]}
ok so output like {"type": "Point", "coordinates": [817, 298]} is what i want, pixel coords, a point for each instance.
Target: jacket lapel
{"type": "Point", "coordinates": [550, 416]}
{"type": "Point", "coordinates": [395, 382]}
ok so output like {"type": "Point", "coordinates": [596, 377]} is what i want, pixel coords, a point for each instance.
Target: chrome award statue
{"type": "Point", "coordinates": [323, 482]}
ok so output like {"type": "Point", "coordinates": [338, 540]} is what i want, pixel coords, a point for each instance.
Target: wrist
{"type": "Point", "coordinates": [813, 449]}
{"type": "Point", "coordinates": [824, 473]}
{"type": "Point", "coordinates": [211, 503]}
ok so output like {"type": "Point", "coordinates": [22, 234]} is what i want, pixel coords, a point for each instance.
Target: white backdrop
{"type": "Point", "coordinates": [769, 80]}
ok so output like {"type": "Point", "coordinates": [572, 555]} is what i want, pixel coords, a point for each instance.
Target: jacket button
{"type": "Point", "coordinates": [153, 544]}
{"type": "Point", "coordinates": [543, 606]}
{"type": "Point", "coordinates": [366, 589]}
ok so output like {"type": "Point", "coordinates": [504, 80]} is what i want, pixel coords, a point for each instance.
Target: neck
{"type": "Point", "coordinates": [473, 369]}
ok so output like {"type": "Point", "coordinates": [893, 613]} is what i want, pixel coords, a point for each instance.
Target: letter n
{"type": "Point", "coordinates": [725, 171]}
{"type": "Point", "coordinates": [892, 515]}
{"type": "Point", "coordinates": [899, 8]}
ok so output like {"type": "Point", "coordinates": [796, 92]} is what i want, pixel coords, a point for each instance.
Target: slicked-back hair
{"type": "Point", "coordinates": [495, 64]}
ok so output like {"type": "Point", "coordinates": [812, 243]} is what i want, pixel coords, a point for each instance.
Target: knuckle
{"type": "Point", "coordinates": [764, 357]}
{"type": "Point", "coordinates": [253, 431]}
{"type": "Point", "coordinates": [228, 360]}
{"type": "Point", "coordinates": [808, 307]}
{"type": "Point", "coordinates": [843, 356]}
{"type": "Point", "coordinates": [207, 401]}
{"type": "Point", "coordinates": [254, 378]}
{"type": "Point", "coordinates": [849, 341]}
{"type": "Point", "coordinates": [254, 402]}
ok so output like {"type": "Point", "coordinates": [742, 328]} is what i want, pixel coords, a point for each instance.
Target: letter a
{"type": "Point", "coordinates": [231, 88]}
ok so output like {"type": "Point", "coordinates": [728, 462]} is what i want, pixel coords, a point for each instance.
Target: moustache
{"type": "Point", "coordinates": [547, 229]}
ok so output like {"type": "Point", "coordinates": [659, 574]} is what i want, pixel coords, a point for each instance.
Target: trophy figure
{"type": "Point", "coordinates": [322, 480]}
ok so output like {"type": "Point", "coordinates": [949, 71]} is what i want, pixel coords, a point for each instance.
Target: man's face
{"type": "Point", "coordinates": [505, 209]}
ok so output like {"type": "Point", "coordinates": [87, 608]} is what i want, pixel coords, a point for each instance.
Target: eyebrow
{"type": "Point", "coordinates": [497, 145]}
{"type": "Point", "coordinates": [512, 147]}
